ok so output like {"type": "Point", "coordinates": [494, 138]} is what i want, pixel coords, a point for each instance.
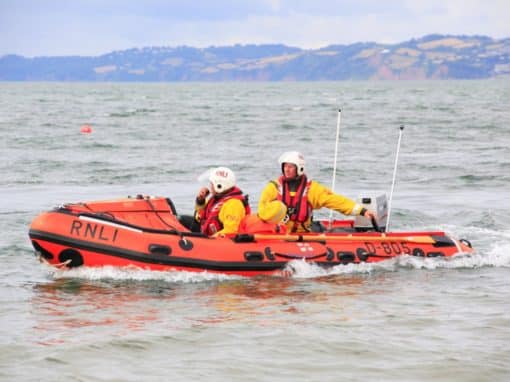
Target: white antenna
{"type": "Point", "coordinates": [394, 177]}
{"type": "Point", "coordinates": [334, 162]}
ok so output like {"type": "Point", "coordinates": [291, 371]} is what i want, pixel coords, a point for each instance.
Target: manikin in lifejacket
{"type": "Point", "coordinates": [302, 196]}
{"type": "Point", "coordinates": [220, 210]}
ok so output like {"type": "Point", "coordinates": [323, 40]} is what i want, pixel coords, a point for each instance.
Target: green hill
{"type": "Point", "coordinates": [429, 57]}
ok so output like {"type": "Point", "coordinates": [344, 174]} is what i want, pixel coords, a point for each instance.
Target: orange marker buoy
{"type": "Point", "coordinates": [86, 129]}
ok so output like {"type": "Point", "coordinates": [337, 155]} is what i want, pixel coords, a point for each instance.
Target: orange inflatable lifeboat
{"type": "Point", "coordinates": [145, 232]}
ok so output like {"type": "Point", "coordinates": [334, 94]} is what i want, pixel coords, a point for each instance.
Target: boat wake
{"type": "Point", "coordinates": [492, 249]}
{"type": "Point", "coordinates": [497, 256]}
{"type": "Point", "coordinates": [137, 274]}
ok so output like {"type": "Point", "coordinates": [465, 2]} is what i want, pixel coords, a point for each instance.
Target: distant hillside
{"type": "Point", "coordinates": [430, 57]}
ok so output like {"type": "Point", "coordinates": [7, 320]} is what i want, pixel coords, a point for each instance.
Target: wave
{"type": "Point", "coordinates": [131, 113]}
{"type": "Point", "coordinates": [497, 256]}
{"type": "Point", "coordinates": [137, 274]}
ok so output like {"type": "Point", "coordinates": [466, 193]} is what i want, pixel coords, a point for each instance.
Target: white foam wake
{"type": "Point", "coordinates": [497, 255]}
{"type": "Point", "coordinates": [137, 274]}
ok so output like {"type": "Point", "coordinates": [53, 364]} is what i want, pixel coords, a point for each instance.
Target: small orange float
{"type": "Point", "coordinates": [86, 129]}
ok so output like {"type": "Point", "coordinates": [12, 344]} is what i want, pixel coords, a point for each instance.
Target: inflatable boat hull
{"type": "Point", "coordinates": [146, 233]}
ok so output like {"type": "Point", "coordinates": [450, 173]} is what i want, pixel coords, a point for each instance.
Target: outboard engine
{"type": "Point", "coordinates": [377, 204]}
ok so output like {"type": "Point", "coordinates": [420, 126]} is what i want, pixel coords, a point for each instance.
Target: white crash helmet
{"type": "Point", "coordinates": [222, 179]}
{"type": "Point", "coordinates": [295, 158]}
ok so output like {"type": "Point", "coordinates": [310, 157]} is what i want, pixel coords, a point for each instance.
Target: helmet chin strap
{"type": "Point", "coordinates": [293, 181]}
{"type": "Point", "coordinates": [222, 192]}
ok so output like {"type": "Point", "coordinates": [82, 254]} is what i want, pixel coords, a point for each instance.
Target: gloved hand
{"type": "Point", "coordinates": [202, 194]}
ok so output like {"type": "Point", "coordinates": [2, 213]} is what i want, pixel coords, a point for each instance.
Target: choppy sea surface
{"type": "Point", "coordinates": [408, 319]}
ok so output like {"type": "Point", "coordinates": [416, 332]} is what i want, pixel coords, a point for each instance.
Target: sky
{"type": "Point", "coordinates": [93, 27]}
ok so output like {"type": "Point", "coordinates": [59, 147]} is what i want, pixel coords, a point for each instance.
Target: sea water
{"type": "Point", "coordinates": [406, 319]}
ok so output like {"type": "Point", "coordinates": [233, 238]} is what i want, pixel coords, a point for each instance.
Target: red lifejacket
{"type": "Point", "coordinates": [209, 216]}
{"type": "Point", "coordinates": [299, 209]}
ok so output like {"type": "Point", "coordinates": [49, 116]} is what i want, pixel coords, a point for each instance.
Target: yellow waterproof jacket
{"type": "Point", "coordinates": [230, 215]}
{"type": "Point", "coordinates": [319, 196]}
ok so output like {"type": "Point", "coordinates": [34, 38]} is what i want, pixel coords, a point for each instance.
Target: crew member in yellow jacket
{"type": "Point", "coordinates": [226, 206]}
{"type": "Point", "coordinates": [302, 196]}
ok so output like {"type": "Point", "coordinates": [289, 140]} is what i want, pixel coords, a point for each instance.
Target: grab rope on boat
{"type": "Point", "coordinates": [61, 265]}
{"type": "Point", "coordinates": [172, 228]}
